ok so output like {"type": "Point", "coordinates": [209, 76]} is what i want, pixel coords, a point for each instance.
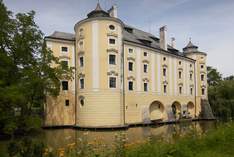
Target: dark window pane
{"type": "Point", "coordinates": [130, 66]}
{"type": "Point", "coordinates": [64, 49]}
{"type": "Point", "coordinates": [112, 82]}
{"type": "Point", "coordinates": [145, 68]}
{"type": "Point", "coordinates": [82, 83]}
{"type": "Point", "coordinates": [66, 102]}
{"type": "Point", "coordinates": [112, 59]}
{"type": "Point", "coordinates": [145, 87]}
{"type": "Point", "coordinates": [81, 61]}
{"type": "Point", "coordinates": [65, 85]}
{"type": "Point", "coordinates": [130, 85]}
{"type": "Point", "coordinates": [112, 41]}
{"type": "Point", "coordinates": [64, 64]}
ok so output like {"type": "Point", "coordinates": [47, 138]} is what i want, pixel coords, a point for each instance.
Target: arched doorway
{"type": "Point", "coordinates": [156, 111]}
{"type": "Point", "coordinates": [176, 109]}
{"type": "Point", "coordinates": [190, 109]}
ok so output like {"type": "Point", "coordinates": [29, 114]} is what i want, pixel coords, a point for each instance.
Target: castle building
{"type": "Point", "coordinates": [124, 75]}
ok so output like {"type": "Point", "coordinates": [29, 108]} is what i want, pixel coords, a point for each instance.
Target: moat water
{"type": "Point", "coordinates": [59, 138]}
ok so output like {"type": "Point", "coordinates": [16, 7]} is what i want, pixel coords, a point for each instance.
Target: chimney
{"type": "Point", "coordinates": [173, 42]}
{"type": "Point", "coordinates": [163, 37]}
{"type": "Point", "coordinates": [113, 11]}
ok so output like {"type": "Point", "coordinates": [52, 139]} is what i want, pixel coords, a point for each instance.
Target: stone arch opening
{"type": "Point", "coordinates": [190, 109]}
{"type": "Point", "coordinates": [156, 110]}
{"type": "Point", "coordinates": [176, 109]}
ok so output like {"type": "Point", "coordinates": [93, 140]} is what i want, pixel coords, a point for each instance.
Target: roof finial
{"type": "Point", "coordinates": [98, 7]}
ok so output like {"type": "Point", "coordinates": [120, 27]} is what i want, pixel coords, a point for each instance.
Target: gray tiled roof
{"type": "Point", "coordinates": [135, 36]}
{"type": "Point", "coordinates": [62, 35]}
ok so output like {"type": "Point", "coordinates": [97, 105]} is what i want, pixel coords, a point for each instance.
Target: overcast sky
{"type": "Point", "coordinates": [210, 23]}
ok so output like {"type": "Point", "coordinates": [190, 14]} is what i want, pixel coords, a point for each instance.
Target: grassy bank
{"type": "Point", "coordinates": [217, 143]}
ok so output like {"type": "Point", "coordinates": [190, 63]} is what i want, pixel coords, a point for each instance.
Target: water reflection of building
{"type": "Point", "coordinates": [124, 75]}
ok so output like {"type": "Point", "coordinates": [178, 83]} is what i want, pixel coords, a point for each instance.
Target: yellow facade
{"type": "Point", "coordinates": [160, 85]}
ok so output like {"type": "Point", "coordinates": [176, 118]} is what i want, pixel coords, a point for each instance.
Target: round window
{"type": "Point", "coordinates": [112, 27]}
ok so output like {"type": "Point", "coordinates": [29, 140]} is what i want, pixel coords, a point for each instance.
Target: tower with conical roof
{"type": "Point", "coordinates": [200, 71]}
{"type": "Point", "coordinates": [99, 49]}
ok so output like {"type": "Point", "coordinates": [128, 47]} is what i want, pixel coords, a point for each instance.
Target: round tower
{"type": "Point", "coordinates": [98, 74]}
{"type": "Point", "coordinates": [192, 51]}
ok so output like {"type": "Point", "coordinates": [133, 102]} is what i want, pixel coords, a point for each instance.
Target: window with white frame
{"type": "Point", "coordinates": [191, 90]}
{"type": "Point", "coordinates": [180, 74]}
{"type": "Point", "coordinates": [112, 41]}
{"type": "Point", "coordinates": [81, 61]}
{"type": "Point", "coordinates": [112, 59]}
{"type": "Point", "coordinates": [130, 85]}
{"type": "Point", "coordinates": [145, 86]}
{"type": "Point", "coordinates": [202, 77]}
{"type": "Point", "coordinates": [130, 50]}
{"type": "Point", "coordinates": [64, 64]}
{"type": "Point", "coordinates": [191, 76]}
{"type": "Point", "coordinates": [81, 83]}
{"type": "Point", "coordinates": [112, 82]}
{"type": "Point", "coordinates": [165, 89]}
{"type": "Point", "coordinates": [145, 54]}
{"type": "Point", "coordinates": [145, 68]}
{"type": "Point", "coordinates": [130, 66]}
{"type": "Point", "coordinates": [64, 49]}
{"type": "Point", "coordinates": [164, 71]}
{"type": "Point", "coordinates": [180, 89]}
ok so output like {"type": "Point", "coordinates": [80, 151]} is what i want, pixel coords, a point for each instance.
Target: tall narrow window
{"type": "Point", "coordinates": [112, 59]}
{"type": "Point", "coordinates": [203, 91]}
{"type": "Point", "coordinates": [145, 68]}
{"type": "Point", "coordinates": [64, 49]}
{"type": "Point", "coordinates": [130, 85]}
{"type": "Point", "coordinates": [112, 82]}
{"type": "Point", "coordinates": [202, 77]}
{"type": "Point", "coordinates": [130, 66]}
{"type": "Point", "coordinates": [191, 91]}
{"type": "Point", "coordinates": [81, 83]}
{"type": "Point", "coordinates": [180, 74]}
{"type": "Point", "coordinates": [64, 85]}
{"type": "Point", "coordinates": [180, 90]}
{"type": "Point", "coordinates": [145, 87]}
{"type": "Point", "coordinates": [145, 54]}
{"type": "Point", "coordinates": [165, 88]}
{"type": "Point", "coordinates": [191, 76]}
{"type": "Point", "coordinates": [164, 71]}
{"type": "Point", "coordinates": [81, 61]}
{"type": "Point", "coordinates": [164, 59]}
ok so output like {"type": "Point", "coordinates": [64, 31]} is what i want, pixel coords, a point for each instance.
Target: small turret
{"type": "Point", "coordinates": [190, 47]}
{"type": "Point", "coordinates": [98, 12]}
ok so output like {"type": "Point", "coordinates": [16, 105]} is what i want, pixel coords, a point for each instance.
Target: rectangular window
{"type": "Point", "coordinates": [145, 54]}
{"type": "Point", "coordinates": [145, 68]}
{"type": "Point", "coordinates": [130, 50]}
{"type": "Point", "coordinates": [64, 64]}
{"type": "Point", "coordinates": [112, 59]}
{"type": "Point", "coordinates": [112, 82]}
{"type": "Point", "coordinates": [81, 83]}
{"type": "Point", "coordinates": [165, 88]}
{"type": "Point", "coordinates": [164, 71]}
{"type": "Point", "coordinates": [191, 91]}
{"type": "Point", "coordinates": [180, 90]}
{"type": "Point", "coordinates": [202, 77]}
{"type": "Point", "coordinates": [130, 85]}
{"type": "Point", "coordinates": [64, 49]}
{"type": "Point", "coordinates": [130, 66]}
{"type": "Point", "coordinates": [66, 102]}
{"type": "Point", "coordinates": [81, 61]}
{"type": "Point", "coordinates": [112, 41]}
{"type": "Point", "coordinates": [180, 74]}
{"type": "Point", "coordinates": [145, 87]}
{"type": "Point", "coordinates": [65, 85]}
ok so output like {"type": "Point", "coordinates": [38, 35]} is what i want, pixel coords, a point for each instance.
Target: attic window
{"type": "Point", "coordinates": [128, 29]}
{"type": "Point", "coordinates": [112, 27]}
{"type": "Point", "coordinates": [145, 42]}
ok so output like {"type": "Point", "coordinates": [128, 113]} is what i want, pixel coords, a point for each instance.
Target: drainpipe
{"type": "Point", "coordinates": [75, 85]}
{"type": "Point", "coordinates": [123, 79]}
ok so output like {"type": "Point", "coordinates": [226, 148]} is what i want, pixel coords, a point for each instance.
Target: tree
{"type": "Point", "coordinates": [26, 74]}
{"type": "Point", "coordinates": [213, 76]}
